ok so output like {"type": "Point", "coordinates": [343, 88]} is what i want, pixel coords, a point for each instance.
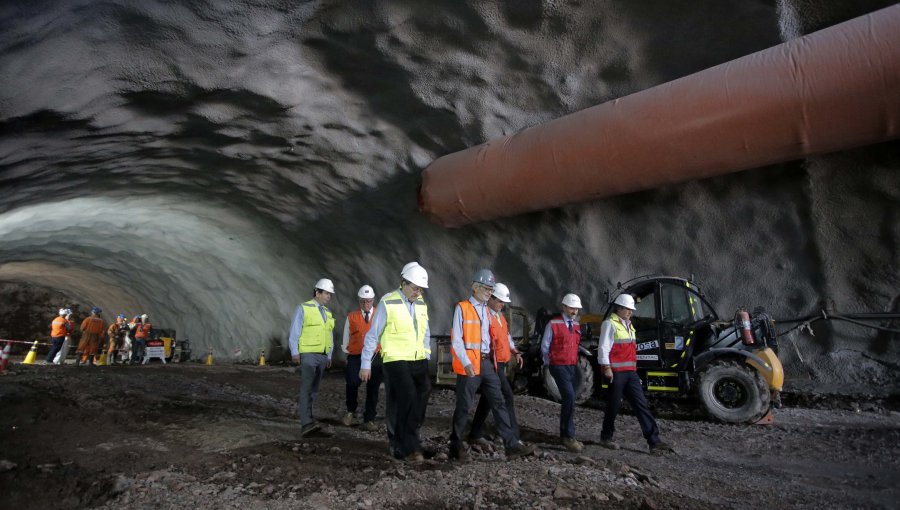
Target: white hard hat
{"type": "Point", "coordinates": [415, 274]}
{"type": "Point", "coordinates": [366, 292]}
{"type": "Point", "coordinates": [501, 292]}
{"type": "Point", "coordinates": [625, 300]}
{"type": "Point", "coordinates": [63, 311]}
{"type": "Point", "coordinates": [145, 317]}
{"type": "Point", "coordinates": [571, 300]}
{"type": "Point", "coordinates": [326, 285]}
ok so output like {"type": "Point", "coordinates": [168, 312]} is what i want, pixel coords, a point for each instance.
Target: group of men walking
{"type": "Point", "coordinates": [129, 339]}
{"type": "Point", "coordinates": [391, 342]}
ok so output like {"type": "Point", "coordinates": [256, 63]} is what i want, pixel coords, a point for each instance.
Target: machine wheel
{"type": "Point", "coordinates": [584, 381]}
{"type": "Point", "coordinates": [733, 393]}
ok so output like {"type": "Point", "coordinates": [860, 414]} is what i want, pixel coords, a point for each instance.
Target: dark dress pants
{"type": "Point", "coordinates": [476, 430]}
{"type": "Point", "coordinates": [628, 384]}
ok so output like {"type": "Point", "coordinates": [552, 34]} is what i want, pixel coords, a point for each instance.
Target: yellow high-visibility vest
{"type": "Point", "coordinates": [316, 334]}
{"type": "Point", "coordinates": [402, 338]}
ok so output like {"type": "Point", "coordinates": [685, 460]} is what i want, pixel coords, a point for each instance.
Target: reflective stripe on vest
{"type": "Point", "coordinates": [315, 337]}
{"type": "Point", "coordinates": [564, 344]}
{"type": "Point", "coordinates": [471, 330]}
{"type": "Point", "coordinates": [403, 339]}
{"type": "Point", "coordinates": [59, 327]}
{"type": "Point", "coordinates": [623, 355]}
{"type": "Point", "coordinates": [500, 338]}
{"type": "Point", "coordinates": [358, 329]}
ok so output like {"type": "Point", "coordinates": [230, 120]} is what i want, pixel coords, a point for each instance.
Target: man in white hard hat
{"type": "Point", "coordinates": [470, 338]}
{"type": "Point", "coordinates": [559, 348]}
{"type": "Point", "coordinates": [617, 357]}
{"type": "Point", "coordinates": [400, 327]}
{"type": "Point", "coordinates": [59, 330]}
{"type": "Point", "coordinates": [502, 350]}
{"type": "Point", "coordinates": [358, 323]}
{"type": "Point", "coordinates": [311, 342]}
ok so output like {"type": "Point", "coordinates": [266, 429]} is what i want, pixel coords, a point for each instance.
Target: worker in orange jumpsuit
{"type": "Point", "coordinates": [115, 333]}
{"type": "Point", "coordinates": [92, 328]}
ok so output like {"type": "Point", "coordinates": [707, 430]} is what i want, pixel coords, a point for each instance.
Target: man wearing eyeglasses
{"type": "Point", "coordinates": [471, 348]}
{"type": "Point", "coordinates": [400, 327]}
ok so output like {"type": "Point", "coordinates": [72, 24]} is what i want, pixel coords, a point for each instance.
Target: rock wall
{"type": "Point", "coordinates": [205, 163]}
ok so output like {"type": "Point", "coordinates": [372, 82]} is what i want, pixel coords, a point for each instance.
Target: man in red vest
{"type": "Point", "coordinates": [471, 348]}
{"type": "Point", "coordinates": [355, 328]}
{"type": "Point", "coordinates": [559, 347]}
{"type": "Point", "coordinates": [618, 358]}
{"type": "Point", "coordinates": [502, 350]}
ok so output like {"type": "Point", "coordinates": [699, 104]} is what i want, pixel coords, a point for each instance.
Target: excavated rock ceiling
{"type": "Point", "coordinates": [206, 162]}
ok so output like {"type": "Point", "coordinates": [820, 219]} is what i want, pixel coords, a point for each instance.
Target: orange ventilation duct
{"type": "Point", "coordinates": [835, 89]}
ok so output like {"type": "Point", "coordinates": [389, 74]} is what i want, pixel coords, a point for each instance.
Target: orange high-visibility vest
{"type": "Point", "coordinates": [500, 338]}
{"type": "Point", "coordinates": [59, 327]}
{"type": "Point", "coordinates": [358, 329]}
{"type": "Point", "coordinates": [141, 331]}
{"type": "Point", "coordinates": [471, 329]}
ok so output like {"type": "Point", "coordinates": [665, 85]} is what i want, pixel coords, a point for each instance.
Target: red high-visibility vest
{"type": "Point", "coordinates": [623, 355]}
{"type": "Point", "coordinates": [358, 329]}
{"type": "Point", "coordinates": [564, 345]}
{"type": "Point", "coordinates": [500, 338]}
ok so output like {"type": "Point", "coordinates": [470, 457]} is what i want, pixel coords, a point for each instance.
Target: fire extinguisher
{"type": "Point", "coordinates": [744, 327]}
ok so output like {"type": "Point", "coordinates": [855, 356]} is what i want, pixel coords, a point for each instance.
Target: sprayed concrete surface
{"type": "Point", "coordinates": [191, 436]}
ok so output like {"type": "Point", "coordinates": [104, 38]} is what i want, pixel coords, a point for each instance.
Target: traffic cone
{"type": "Point", "coordinates": [209, 357]}
{"type": "Point", "coordinates": [32, 354]}
{"type": "Point", "coordinates": [101, 361]}
{"type": "Point", "coordinates": [262, 358]}
{"type": "Point", "coordinates": [4, 358]}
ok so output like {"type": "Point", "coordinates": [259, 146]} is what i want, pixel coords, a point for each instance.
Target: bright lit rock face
{"type": "Point", "coordinates": [207, 162]}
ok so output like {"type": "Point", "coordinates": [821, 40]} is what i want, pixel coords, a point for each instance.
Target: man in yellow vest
{"type": "Point", "coordinates": [311, 341]}
{"type": "Point", "coordinates": [617, 357]}
{"type": "Point", "coordinates": [471, 348]}
{"type": "Point", "coordinates": [400, 327]}
{"type": "Point", "coordinates": [356, 326]}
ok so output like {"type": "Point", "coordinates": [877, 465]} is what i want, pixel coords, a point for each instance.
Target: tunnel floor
{"type": "Point", "coordinates": [226, 436]}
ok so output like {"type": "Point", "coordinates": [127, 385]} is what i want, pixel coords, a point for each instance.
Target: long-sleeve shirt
{"type": "Point", "coordinates": [345, 341]}
{"type": "Point", "coordinates": [607, 336]}
{"type": "Point", "coordinates": [379, 321]}
{"type": "Point", "coordinates": [548, 337]}
{"type": "Point", "coordinates": [297, 329]}
{"type": "Point", "coordinates": [456, 333]}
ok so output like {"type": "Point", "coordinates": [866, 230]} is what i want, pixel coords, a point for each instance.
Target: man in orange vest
{"type": "Point", "coordinates": [618, 359]}
{"type": "Point", "coordinates": [474, 368]}
{"type": "Point", "coordinates": [559, 348]}
{"type": "Point", "coordinates": [355, 328]}
{"type": "Point", "coordinates": [92, 328]}
{"type": "Point", "coordinates": [502, 350]}
{"type": "Point", "coordinates": [59, 330]}
{"type": "Point", "coordinates": [115, 333]}
{"type": "Point", "coordinates": [142, 329]}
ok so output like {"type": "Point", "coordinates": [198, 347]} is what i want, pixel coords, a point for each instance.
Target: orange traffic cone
{"type": "Point", "coordinates": [32, 354]}
{"type": "Point", "coordinates": [4, 358]}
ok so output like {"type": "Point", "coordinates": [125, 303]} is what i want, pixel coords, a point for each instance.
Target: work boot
{"type": "Point", "coordinates": [415, 457]}
{"type": "Point", "coordinates": [520, 450]}
{"type": "Point", "coordinates": [347, 419]}
{"type": "Point", "coordinates": [609, 443]}
{"type": "Point", "coordinates": [458, 452]}
{"type": "Point", "coordinates": [370, 426]}
{"type": "Point", "coordinates": [661, 448]}
{"type": "Point", "coordinates": [480, 441]}
{"type": "Point", "coordinates": [572, 444]}
{"type": "Point", "coordinates": [310, 428]}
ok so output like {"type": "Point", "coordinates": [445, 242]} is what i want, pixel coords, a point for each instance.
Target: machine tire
{"type": "Point", "coordinates": [732, 392]}
{"type": "Point", "coordinates": [584, 381]}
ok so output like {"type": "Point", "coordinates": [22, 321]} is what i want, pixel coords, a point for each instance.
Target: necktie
{"type": "Point", "coordinates": [322, 311]}
{"type": "Point", "coordinates": [570, 326]}
{"type": "Point", "coordinates": [366, 316]}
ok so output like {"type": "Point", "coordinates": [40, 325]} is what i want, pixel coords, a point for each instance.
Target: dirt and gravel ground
{"type": "Point", "coordinates": [191, 436]}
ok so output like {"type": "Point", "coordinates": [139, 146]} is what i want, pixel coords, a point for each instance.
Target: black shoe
{"type": "Point", "coordinates": [309, 428]}
{"type": "Point", "coordinates": [458, 452]}
{"type": "Point", "coordinates": [661, 448]}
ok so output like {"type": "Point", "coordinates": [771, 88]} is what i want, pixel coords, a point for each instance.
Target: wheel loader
{"type": "Point", "coordinates": [683, 349]}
